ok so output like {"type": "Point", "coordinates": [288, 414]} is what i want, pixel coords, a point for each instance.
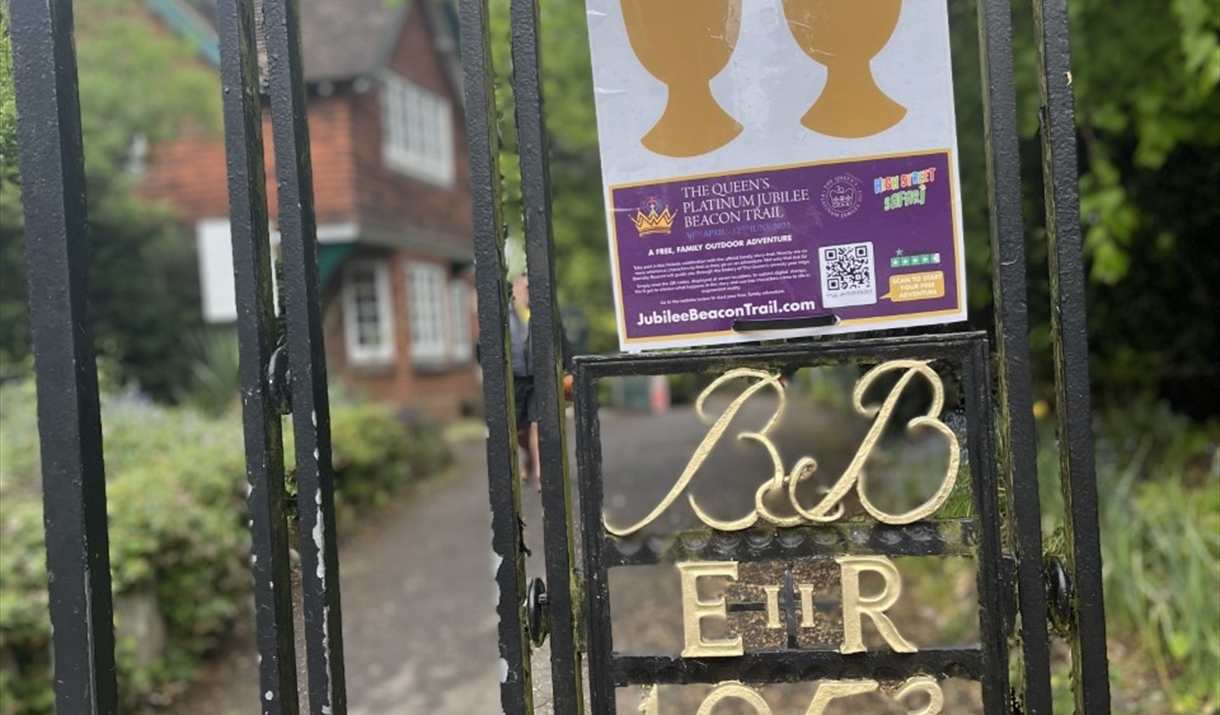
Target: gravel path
{"type": "Point", "coordinates": [419, 626]}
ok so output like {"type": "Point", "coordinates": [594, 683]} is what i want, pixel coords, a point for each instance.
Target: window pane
{"type": "Point", "coordinates": [367, 313]}
{"type": "Point", "coordinates": [417, 133]}
{"type": "Point", "coordinates": [427, 311]}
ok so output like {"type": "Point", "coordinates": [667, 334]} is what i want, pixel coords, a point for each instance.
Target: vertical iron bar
{"type": "Point", "coordinates": [69, 421]}
{"type": "Point", "coordinates": [547, 349]}
{"type": "Point", "coordinates": [1018, 460]}
{"type": "Point", "coordinates": [256, 335]}
{"type": "Point", "coordinates": [306, 359]}
{"type": "Point", "coordinates": [985, 488]}
{"type": "Point", "coordinates": [1077, 474]}
{"type": "Point", "coordinates": [516, 687]}
{"type": "Point", "coordinates": [599, 636]}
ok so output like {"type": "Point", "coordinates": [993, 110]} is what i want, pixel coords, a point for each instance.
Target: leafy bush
{"type": "Point", "coordinates": [176, 509]}
{"type": "Point", "coordinates": [177, 514]}
{"type": "Point", "coordinates": [1158, 478]}
{"type": "Point", "coordinates": [214, 380]}
{"type": "Point", "coordinates": [374, 454]}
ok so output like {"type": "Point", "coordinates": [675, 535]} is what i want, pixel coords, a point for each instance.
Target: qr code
{"type": "Point", "coordinates": [849, 276]}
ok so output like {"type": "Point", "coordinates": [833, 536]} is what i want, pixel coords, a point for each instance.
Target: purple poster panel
{"type": "Point", "coordinates": [857, 245]}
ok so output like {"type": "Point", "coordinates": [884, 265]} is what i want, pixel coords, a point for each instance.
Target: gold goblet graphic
{"type": "Point", "coordinates": [845, 35]}
{"type": "Point", "coordinates": [686, 43]}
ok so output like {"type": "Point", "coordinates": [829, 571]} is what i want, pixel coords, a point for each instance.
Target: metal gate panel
{"type": "Point", "coordinates": [978, 536]}
{"type": "Point", "coordinates": [257, 343]}
{"type": "Point", "coordinates": [507, 537]}
{"type": "Point", "coordinates": [271, 371]}
{"type": "Point", "coordinates": [1022, 564]}
{"type": "Point", "coordinates": [1017, 458]}
{"type": "Point", "coordinates": [547, 350]}
{"type": "Point", "coordinates": [1085, 619]}
{"type": "Point", "coordinates": [305, 385]}
{"type": "Point", "coordinates": [560, 617]}
{"type": "Point", "coordinates": [289, 375]}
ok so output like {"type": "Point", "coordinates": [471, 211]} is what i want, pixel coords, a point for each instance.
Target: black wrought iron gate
{"type": "Point", "coordinates": [276, 378]}
{"type": "Point", "coordinates": [1019, 590]}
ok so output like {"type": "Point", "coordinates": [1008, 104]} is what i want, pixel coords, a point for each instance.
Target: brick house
{"type": "Point", "coordinates": [391, 188]}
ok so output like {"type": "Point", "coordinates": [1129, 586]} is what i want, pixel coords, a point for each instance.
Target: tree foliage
{"type": "Point", "coordinates": [12, 320]}
{"type": "Point", "coordinates": [8, 107]}
{"type": "Point", "coordinates": [1147, 88]}
{"type": "Point", "coordinates": [576, 188]}
{"type": "Point", "coordinates": [138, 86]}
{"type": "Point", "coordinates": [1146, 82]}
{"type": "Point", "coordinates": [1148, 111]}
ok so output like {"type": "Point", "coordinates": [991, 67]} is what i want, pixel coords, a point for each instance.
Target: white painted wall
{"type": "Point", "coordinates": [217, 288]}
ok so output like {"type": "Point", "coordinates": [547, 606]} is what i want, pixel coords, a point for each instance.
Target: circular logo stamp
{"type": "Point", "coordinates": [842, 196]}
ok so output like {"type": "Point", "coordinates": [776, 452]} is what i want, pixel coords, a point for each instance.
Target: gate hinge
{"type": "Point", "coordinates": [537, 613]}
{"type": "Point", "coordinates": [1059, 593]}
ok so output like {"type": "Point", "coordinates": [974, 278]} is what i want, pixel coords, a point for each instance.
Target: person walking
{"type": "Point", "coordinates": [524, 397]}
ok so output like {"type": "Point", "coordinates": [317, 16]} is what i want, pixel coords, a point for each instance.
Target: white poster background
{"type": "Point", "coordinates": [767, 86]}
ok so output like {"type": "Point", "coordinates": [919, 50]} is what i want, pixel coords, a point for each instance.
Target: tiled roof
{"type": "Point", "coordinates": [341, 39]}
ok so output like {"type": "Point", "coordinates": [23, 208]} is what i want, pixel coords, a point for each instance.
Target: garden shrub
{"type": "Point", "coordinates": [176, 510]}
{"type": "Point", "coordinates": [176, 502]}
{"type": "Point", "coordinates": [1158, 479]}
{"type": "Point", "coordinates": [374, 454]}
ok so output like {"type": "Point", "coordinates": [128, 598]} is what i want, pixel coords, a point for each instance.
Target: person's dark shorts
{"type": "Point", "coordinates": [525, 401]}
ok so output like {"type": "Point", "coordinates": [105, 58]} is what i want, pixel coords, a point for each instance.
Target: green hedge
{"type": "Point", "coordinates": [178, 520]}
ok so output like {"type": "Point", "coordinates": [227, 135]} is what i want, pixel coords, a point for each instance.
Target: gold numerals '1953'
{"type": "Point", "coordinates": [827, 691]}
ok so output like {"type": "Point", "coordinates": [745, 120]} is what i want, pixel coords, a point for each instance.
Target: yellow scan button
{"type": "Point", "coordinates": [916, 286]}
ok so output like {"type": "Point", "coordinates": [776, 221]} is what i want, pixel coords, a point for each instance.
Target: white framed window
{"type": "Point", "coordinates": [416, 131]}
{"type": "Point", "coordinates": [368, 313]}
{"type": "Point", "coordinates": [459, 321]}
{"type": "Point", "coordinates": [427, 312]}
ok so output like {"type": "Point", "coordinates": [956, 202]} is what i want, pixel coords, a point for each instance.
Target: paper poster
{"type": "Point", "coordinates": [777, 168]}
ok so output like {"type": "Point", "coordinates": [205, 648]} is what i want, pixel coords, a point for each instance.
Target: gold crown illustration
{"type": "Point", "coordinates": [653, 222]}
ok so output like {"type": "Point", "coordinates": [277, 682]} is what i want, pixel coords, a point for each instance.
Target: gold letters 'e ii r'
{"type": "Point", "coordinates": [696, 610]}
